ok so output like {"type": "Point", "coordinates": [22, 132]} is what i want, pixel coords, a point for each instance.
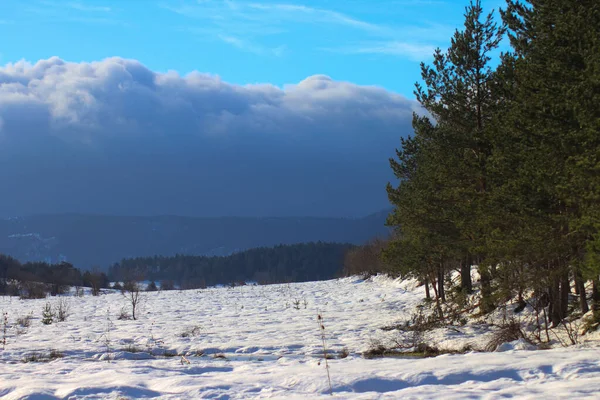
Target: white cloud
{"type": "Point", "coordinates": [113, 136]}
{"type": "Point", "coordinates": [102, 95]}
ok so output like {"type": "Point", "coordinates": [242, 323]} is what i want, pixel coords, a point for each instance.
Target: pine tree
{"type": "Point", "coordinates": [47, 314]}
{"type": "Point", "coordinates": [443, 168]}
{"type": "Point", "coordinates": [553, 133]}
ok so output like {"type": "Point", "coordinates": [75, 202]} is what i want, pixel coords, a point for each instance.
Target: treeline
{"type": "Point", "coordinates": [503, 169]}
{"type": "Point", "coordinates": [38, 279]}
{"type": "Point", "coordinates": [280, 264]}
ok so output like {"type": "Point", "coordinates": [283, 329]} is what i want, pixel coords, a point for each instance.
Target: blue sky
{"type": "Point", "coordinates": [367, 42]}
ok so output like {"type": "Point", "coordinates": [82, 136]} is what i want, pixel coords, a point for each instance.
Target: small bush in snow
{"type": "Point", "coordinates": [132, 348]}
{"type": "Point", "coordinates": [4, 329]}
{"type": "Point", "coordinates": [123, 315]}
{"type": "Point", "coordinates": [42, 357]}
{"type": "Point", "coordinates": [33, 290]}
{"type": "Point", "coordinates": [151, 287]}
{"type": "Point", "coordinates": [508, 331]}
{"type": "Point", "coordinates": [322, 331]}
{"type": "Point", "coordinates": [47, 314]}
{"type": "Point", "coordinates": [191, 331]}
{"type": "Point", "coordinates": [25, 322]}
{"type": "Point", "coordinates": [62, 309]}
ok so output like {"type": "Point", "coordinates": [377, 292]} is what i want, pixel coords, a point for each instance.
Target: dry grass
{"type": "Point", "coordinates": [509, 331]}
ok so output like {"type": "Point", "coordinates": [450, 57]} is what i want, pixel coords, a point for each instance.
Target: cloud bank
{"type": "Point", "coordinates": [115, 137]}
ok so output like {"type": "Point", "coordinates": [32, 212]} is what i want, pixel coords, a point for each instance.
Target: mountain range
{"type": "Point", "coordinates": [99, 240]}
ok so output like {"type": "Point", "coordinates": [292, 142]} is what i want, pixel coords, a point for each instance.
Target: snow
{"type": "Point", "coordinates": [264, 342]}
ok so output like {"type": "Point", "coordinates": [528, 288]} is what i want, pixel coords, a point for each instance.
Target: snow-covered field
{"type": "Point", "coordinates": [264, 342]}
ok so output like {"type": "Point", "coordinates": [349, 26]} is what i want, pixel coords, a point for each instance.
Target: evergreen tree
{"type": "Point", "coordinates": [441, 200]}
{"type": "Point", "coordinates": [552, 129]}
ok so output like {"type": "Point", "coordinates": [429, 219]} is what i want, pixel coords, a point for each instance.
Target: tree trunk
{"type": "Point", "coordinates": [437, 296]}
{"type": "Point", "coordinates": [440, 280]}
{"type": "Point", "coordinates": [580, 290]}
{"type": "Point", "coordinates": [595, 297]}
{"type": "Point", "coordinates": [565, 290]}
{"type": "Point", "coordinates": [465, 275]}
{"type": "Point", "coordinates": [427, 294]}
{"type": "Point", "coordinates": [554, 308]}
{"type": "Point", "coordinates": [487, 304]}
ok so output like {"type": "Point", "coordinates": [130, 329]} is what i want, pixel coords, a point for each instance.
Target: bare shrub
{"type": "Point", "coordinates": [132, 348]}
{"type": "Point", "coordinates": [123, 315]}
{"type": "Point", "coordinates": [42, 357]}
{"type": "Point", "coordinates": [79, 292]}
{"type": "Point", "coordinates": [54, 354]}
{"type": "Point", "coordinates": [33, 290]}
{"type": "Point", "coordinates": [106, 336]}
{"type": "Point", "coordinates": [25, 322]}
{"type": "Point", "coordinates": [191, 331]}
{"type": "Point", "coordinates": [366, 260]}
{"type": "Point", "coordinates": [376, 349]}
{"type": "Point", "coordinates": [131, 291]}
{"type": "Point", "coordinates": [322, 331]}
{"type": "Point", "coordinates": [96, 280]}
{"type": "Point", "coordinates": [572, 330]}
{"type": "Point", "coordinates": [509, 331]}
{"type": "Point", "coordinates": [32, 357]}
{"type": "Point", "coordinates": [344, 353]}
{"type": "Point", "coordinates": [4, 329]}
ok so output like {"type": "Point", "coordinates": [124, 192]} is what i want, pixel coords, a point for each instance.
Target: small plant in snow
{"type": "Point", "coordinates": [4, 329]}
{"type": "Point", "coordinates": [191, 331]}
{"type": "Point", "coordinates": [42, 357]}
{"type": "Point", "coordinates": [62, 310]}
{"type": "Point", "coordinates": [47, 314]}
{"type": "Point", "coordinates": [106, 336]}
{"type": "Point", "coordinates": [23, 323]}
{"type": "Point", "coordinates": [322, 331]}
{"type": "Point", "coordinates": [123, 315]}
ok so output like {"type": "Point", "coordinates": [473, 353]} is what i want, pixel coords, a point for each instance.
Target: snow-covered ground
{"type": "Point", "coordinates": [264, 342]}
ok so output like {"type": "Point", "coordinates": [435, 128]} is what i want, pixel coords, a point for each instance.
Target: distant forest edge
{"type": "Point", "coordinates": [33, 280]}
{"type": "Point", "coordinates": [99, 241]}
{"type": "Point", "coordinates": [280, 264]}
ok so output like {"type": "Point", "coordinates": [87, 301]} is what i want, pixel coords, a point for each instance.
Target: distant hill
{"type": "Point", "coordinates": [96, 240]}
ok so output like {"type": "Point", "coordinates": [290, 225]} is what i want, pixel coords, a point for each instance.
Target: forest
{"type": "Point", "coordinates": [265, 265]}
{"type": "Point", "coordinates": [503, 169]}
{"type": "Point", "coordinates": [38, 279]}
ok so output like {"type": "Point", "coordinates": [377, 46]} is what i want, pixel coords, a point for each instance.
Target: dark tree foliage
{"type": "Point", "coordinates": [503, 171]}
{"type": "Point", "coordinates": [57, 278]}
{"type": "Point", "coordinates": [280, 264]}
